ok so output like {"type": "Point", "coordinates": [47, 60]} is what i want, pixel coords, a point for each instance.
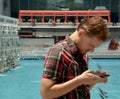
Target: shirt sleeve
{"type": "Point", "coordinates": [51, 64]}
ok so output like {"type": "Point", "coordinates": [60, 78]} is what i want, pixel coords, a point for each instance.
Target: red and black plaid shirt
{"type": "Point", "coordinates": [64, 62]}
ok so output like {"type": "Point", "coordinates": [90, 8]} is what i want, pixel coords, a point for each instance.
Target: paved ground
{"type": "Point", "coordinates": [103, 52]}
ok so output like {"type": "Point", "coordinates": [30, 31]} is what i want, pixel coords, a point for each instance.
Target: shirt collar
{"type": "Point", "coordinates": [72, 47]}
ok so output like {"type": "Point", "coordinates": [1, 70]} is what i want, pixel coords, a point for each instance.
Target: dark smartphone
{"type": "Point", "coordinates": [102, 76]}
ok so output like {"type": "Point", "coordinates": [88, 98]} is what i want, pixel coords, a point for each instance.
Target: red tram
{"type": "Point", "coordinates": [44, 16]}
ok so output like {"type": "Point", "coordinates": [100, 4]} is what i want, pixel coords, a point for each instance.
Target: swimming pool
{"type": "Point", "coordinates": [23, 82]}
{"type": "Point", "coordinates": [112, 88]}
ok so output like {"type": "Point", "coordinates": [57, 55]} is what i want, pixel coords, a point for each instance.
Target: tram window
{"type": "Point", "coordinates": [38, 18]}
{"type": "Point", "coordinates": [48, 19]}
{"type": "Point", "coordinates": [58, 19]}
{"type": "Point", "coordinates": [71, 19]}
{"type": "Point", "coordinates": [80, 18]}
{"type": "Point", "coordinates": [62, 19]}
{"type": "Point", "coordinates": [25, 18]}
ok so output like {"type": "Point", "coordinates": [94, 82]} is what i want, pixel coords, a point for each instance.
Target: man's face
{"type": "Point", "coordinates": [88, 44]}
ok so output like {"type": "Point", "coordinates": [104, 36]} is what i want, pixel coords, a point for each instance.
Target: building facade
{"type": "Point", "coordinates": [12, 7]}
{"type": "Point", "coordinates": [5, 7]}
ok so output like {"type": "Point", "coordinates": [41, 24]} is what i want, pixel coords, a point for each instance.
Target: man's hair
{"type": "Point", "coordinates": [95, 26]}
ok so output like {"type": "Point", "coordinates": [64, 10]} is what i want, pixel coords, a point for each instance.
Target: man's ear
{"type": "Point", "coordinates": [81, 32]}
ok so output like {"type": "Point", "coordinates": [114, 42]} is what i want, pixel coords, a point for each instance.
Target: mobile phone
{"type": "Point", "coordinates": [102, 76]}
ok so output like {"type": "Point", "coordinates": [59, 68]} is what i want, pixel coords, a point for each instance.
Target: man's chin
{"type": "Point", "coordinates": [83, 52]}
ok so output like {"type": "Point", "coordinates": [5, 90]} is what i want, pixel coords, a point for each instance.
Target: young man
{"type": "Point", "coordinates": [66, 74]}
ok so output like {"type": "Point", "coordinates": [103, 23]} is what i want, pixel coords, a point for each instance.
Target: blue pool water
{"type": "Point", "coordinates": [112, 87]}
{"type": "Point", "coordinates": [23, 82]}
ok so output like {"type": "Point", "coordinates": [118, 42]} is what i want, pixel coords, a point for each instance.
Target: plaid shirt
{"type": "Point", "coordinates": [64, 62]}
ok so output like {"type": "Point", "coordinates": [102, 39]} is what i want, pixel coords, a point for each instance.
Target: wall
{"type": "Point", "coordinates": [1, 7]}
{"type": "Point", "coordinates": [5, 8]}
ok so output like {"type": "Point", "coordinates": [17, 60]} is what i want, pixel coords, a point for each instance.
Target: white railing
{"type": "Point", "coordinates": [96, 54]}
